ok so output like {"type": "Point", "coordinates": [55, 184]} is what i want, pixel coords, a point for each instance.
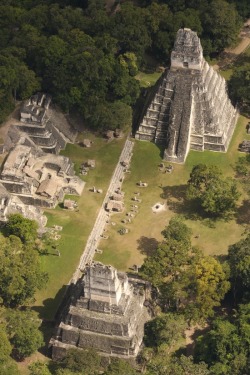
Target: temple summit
{"type": "Point", "coordinates": [190, 107]}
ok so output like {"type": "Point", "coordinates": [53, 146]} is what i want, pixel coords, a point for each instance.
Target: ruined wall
{"type": "Point", "coordinates": [45, 203]}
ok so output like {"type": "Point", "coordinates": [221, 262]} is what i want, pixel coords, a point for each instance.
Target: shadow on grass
{"type": "Point", "coordinates": [243, 214]}
{"type": "Point", "coordinates": [222, 258]}
{"type": "Point", "coordinates": [49, 310]}
{"type": "Point", "coordinates": [197, 333]}
{"type": "Point", "coordinates": [47, 329]}
{"type": "Point", "coordinates": [177, 202]}
{"type": "Point", "coordinates": [49, 313]}
{"type": "Point", "coordinates": [190, 209]}
{"type": "Point", "coordinates": [147, 245]}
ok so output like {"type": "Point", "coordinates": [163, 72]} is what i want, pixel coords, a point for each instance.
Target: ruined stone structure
{"type": "Point", "coordinates": [108, 314]}
{"type": "Point", "coordinates": [34, 175]}
{"type": "Point", "coordinates": [38, 178]}
{"type": "Point", "coordinates": [40, 126]}
{"type": "Point", "coordinates": [189, 107]}
{"type": "Point", "coordinates": [11, 204]}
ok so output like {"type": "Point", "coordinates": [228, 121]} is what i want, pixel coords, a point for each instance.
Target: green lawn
{"type": "Point", "coordinates": [123, 251]}
{"type": "Point", "coordinates": [147, 79]}
{"type": "Point", "coordinates": [76, 225]}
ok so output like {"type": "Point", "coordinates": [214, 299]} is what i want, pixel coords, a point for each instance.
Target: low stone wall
{"type": "Point", "coordinates": [38, 202]}
{"type": "Point", "coordinates": [88, 323]}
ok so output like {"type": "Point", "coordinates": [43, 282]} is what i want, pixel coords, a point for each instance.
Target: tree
{"type": "Point", "coordinates": [167, 261]}
{"type": "Point", "coordinates": [242, 166]}
{"type": "Point", "coordinates": [216, 196]}
{"type": "Point", "coordinates": [201, 177]}
{"type": "Point", "coordinates": [129, 61]}
{"type": "Point", "coordinates": [22, 227]}
{"type": "Point", "coordinates": [39, 368]}
{"type": "Point", "coordinates": [65, 371]}
{"type": "Point", "coordinates": [20, 272]}
{"type": "Point", "coordinates": [178, 231]}
{"type": "Point", "coordinates": [160, 23]}
{"type": "Point", "coordinates": [239, 84]}
{"type": "Point", "coordinates": [5, 347]}
{"type": "Point", "coordinates": [130, 29]}
{"type": "Point", "coordinates": [186, 281]}
{"type": "Point", "coordinates": [169, 267]}
{"type": "Point", "coordinates": [243, 322]}
{"type": "Point", "coordinates": [124, 87]}
{"type": "Point", "coordinates": [239, 262]}
{"type": "Point", "coordinates": [243, 7]}
{"type": "Point", "coordinates": [221, 23]}
{"type": "Point", "coordinates": [112, 115]}
{"type": "Point", "coordinates": [187, 18]}
{"type": "Point", "coordinates": [85, 361]}
{"type": "Point", "coordinates": [23, 331]}
{"type": "Point", "coordinates": [119, 366]}
{"type": "Point", "coordinates": [9, 367]}
{"type": "Point", "coordinates": [223, 349]}
{"type": "Point", "coordinates": [16, 78]}
{"type": "Point", "coordinates": [220, 198]}
{"type": "Point", "coordinates": [166, 329]}
{"type": "Point", "coordinates": [207, 288]}
{"type": "Point", "coordinates": [161, 364]}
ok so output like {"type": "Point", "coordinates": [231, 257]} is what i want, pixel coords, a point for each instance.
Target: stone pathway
{"type": "Point", "coordinates": [103, 216]}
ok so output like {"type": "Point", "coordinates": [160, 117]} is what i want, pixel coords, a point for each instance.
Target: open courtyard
{"type": "Point", "coordinates": [145, 226]}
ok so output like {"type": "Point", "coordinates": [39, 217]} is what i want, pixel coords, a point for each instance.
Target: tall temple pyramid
{"type": "Point", "coordinates": [189, 107]}
{"type": "Point", "coordinates": [108, 314]}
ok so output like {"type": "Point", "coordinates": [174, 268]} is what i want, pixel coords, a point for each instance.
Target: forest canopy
{"type": "Point", "coordinates": [86, 55]}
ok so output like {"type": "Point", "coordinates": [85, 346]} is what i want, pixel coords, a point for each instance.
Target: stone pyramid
{"type": "Point", "coordinates": [108, 314]}
{"type": "Point", "coordinates": [189, 107]}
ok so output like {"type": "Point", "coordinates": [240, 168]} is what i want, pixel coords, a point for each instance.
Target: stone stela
{"type": "Point", "coordinates": [189, 108]}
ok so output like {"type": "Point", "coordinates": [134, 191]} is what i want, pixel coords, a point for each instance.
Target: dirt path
{"type": "Point", "coordinates": [229, 55]}
{"type": "Point", "coordinates": [103, 215]}
{"type": "Point", "coordinates": [241, 47]}
{"type": "Point", "coordinates": [191, 335]}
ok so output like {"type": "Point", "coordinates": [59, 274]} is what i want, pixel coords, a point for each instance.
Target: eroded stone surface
{"type": "Point", "coordinates": [190, 107]}
{"type": "Point", "coordinates": [38, 178]}
{"type": "Point", "coordinates": [108, 314]}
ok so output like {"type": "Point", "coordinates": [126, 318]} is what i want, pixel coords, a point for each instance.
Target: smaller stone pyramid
{"type": "Point", "coordinates": [108, 315]}
{"type": "Point", "coordinates": [190, 107]}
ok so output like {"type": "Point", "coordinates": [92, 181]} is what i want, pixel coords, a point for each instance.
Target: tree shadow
{"type": "Point", "coordinates": [243, 213]}
{"type": "Point", "coordinates": [222, 258]}
{"type": "Point", "coordinates": [48, 313]}
{"type": "Point", "coordinates": [147, 245]}
{"type": "Point", "coordinates": [54, 310]}
{"type": "Point", "coordinates": [176, 200]}
{"type": "Point", "coordinates": [190, 348]}
{"type": "Point", "coordinates": [190, 209]}
{"type": "Point", "coordinates": [177, 192]}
